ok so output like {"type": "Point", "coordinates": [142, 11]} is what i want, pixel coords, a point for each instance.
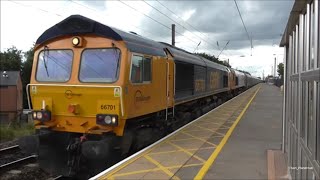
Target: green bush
{"type": "Point", "coordinates": [8, 133]}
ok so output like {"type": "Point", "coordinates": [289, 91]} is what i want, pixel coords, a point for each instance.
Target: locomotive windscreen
{"type": "Point", "coordinates": [99, 65]}
{"type": "Point", "coordinates": [54, 65]}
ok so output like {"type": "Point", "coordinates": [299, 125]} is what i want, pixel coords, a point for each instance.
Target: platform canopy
{"type": "Point", "coordinates": [298, 8]}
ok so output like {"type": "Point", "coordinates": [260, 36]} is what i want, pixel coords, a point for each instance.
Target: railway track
{"type": "Point", "coordinates": [9, 150]}
{"type": "Point", "coordinates": [11, 158]}
{"type": "Point", "coordinates": [18, 163]}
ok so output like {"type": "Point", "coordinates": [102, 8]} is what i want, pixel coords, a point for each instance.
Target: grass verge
{"type": "Point", "coordinates": [8, 133]}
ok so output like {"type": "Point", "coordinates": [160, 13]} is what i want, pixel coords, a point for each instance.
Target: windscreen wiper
{"type": "Point", "coordinates": [118, 58]}
{"type": "Point", "coordinates": [45, 49]}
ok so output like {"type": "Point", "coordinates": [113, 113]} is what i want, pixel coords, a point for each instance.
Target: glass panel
{"type": "Point", "coordinates": [305, 36]}
{"type": "Point", "coordinates": [303, 110]}
{"type": "Point", "coordinates": [99, 65]}
{"type": "Point", "coordinates": [136, 74]}
{"type": "Point", "coordinates": [292, 102]}
{"type": "Point", "coordinates": [294, 154]}
{"type": "Point", "coordinates": [310, 118]}
{"type": "Point", "coordinates": [296, 50]}
{"type": "Point", "coordinates": [297, 105]}
{"type": "Point", "coordinates": [317, 19]}
{"type": "Point", "coordinates": [147, 69]}
{"type": "Point", "coordinates": [312, 41]}
{"type": "Point", "coordinates": [304, 164]}
{"type": "Point", "coordinates": [54, 65]}
{"type": "Point", "coordinates": [141, 69]}
{"type": "Point", "coordinates": [318, 122]}
{"type": "Point", "coordinates": [294, 53]}
{"type": "Point", "coordinates": [296, 97]}
{"type": "Point", "coordinates": [310, 172]}
{"type": "Point", "coordinates": [291, 149]}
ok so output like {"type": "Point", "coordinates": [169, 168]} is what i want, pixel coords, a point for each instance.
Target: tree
{"type": "Point", "coordinates": [280, 69]}
{"type": "Point", "coordinates": [26, 73]}
{"type": "Point", "coordinates": [10, 60]}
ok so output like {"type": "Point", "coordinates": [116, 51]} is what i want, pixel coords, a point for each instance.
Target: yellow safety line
{"type": "Point", "coordinates": [221, 134]}
{"type": "Point", "coordinates": [214, 136]}
{"type": "Point", "coordinates": [136, 172]}
{"type": "Point", "coordinates": [184, 139]}
{"type": "Point", "coordinates": [207, 129]}
{"type": "Point", "coordinates": [195, 130]}
{"type": "Point", "coordinates": [224, 127]}
{"type": "Point", "coordinates": [164, 169]}
{"type": "Point", "coordinates": [210, 123]}
{"type": "Point", "coordinates": [164, 152]}
{"type": "Point", "coordinates": [229, 121]}
{"type": "Point", "coordinates": [154, 169]}
{"type": "Point", "coordinates": [187, 152]}
{"type": "Point", "coordinates": [110, 174]}
{"type": "Point", "coordinates": [205, 141]}
{"type": "Point", "coordinates": [193, 149]}
{"type": "Point", "coordinates": [216, 152]}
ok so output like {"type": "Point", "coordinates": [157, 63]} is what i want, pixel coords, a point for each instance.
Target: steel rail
{"type": "Point", "coordinates": [9, 149]}
{"type": "Point", "coordinates": [18, 162]}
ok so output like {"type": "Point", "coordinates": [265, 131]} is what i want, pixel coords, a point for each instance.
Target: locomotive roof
{"type": "Point", "coordinates": [238, 72]}
{"type": "Point", "coordinates": [77, 24]}
{"type": "Point", "coordinates": [185, 56]}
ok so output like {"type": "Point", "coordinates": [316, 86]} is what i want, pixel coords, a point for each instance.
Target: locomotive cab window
{"type": "Point", "coordinates": [54, 65]}
{"type": "Point", "coordinates": [100, 65]}
{"type": "Point", "coordinates": [140, 69]}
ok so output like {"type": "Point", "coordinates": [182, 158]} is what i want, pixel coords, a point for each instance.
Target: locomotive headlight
{"type": "Point", "coordinates": [76, 41]}
{"type": "Point", "coordinates": [42, 115]}
{"type": "Point", "coordinates": [114, 120]}
{"type": "Point", "coordinates": [107, 119]}
{"type": "Point", "coordinates": [39, 115]}
{"type": "Point", "coordinates": [34, 115]}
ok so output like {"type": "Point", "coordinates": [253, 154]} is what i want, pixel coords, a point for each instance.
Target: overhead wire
{"type": "Point", "coordinates": [243, 24]}
{"type": "Point", "coordinates": [176, 23]}
{"type": "Point", "coordinates": [156, 21]}
{"type": "Point", "coordinates": [49, 12]}
{"type": "Point", "coordinates": [46, 11]}
{"type": "Point", "coordinates": [183, 20]}
{"type": "Point", "coordinates": [43, 10]}
{"type": "Point", "coordinates": [95, 11]}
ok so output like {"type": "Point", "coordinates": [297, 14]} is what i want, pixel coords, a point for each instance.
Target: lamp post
{"type": "Point", "coordinates": [275, 65]}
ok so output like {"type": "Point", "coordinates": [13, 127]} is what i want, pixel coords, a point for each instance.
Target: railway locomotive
{"type": "Point", "coordinates": [99, 94]}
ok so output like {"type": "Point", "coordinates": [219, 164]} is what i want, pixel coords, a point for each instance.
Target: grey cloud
{"type": "Point", "coordinates": [266, 20]}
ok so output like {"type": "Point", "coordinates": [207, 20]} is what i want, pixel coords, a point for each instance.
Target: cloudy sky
{"type": "Point", "coordinates": [213, 23]}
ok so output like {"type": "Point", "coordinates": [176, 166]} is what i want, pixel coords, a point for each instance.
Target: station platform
{"type": "Point", "coordinates": [229, 142]}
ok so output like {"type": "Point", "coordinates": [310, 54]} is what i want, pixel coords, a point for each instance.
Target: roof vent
{"type": "Point", "coordinates": [4, 74]}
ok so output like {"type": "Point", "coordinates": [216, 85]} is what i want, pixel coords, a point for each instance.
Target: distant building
{"type": "Point", "coordinates": [10, 96]}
